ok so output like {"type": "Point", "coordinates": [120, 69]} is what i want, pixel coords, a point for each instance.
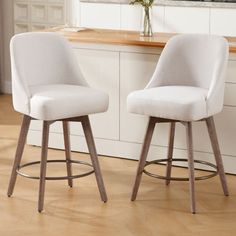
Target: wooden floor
{"type": "Point", "coordinates": [158, 210]}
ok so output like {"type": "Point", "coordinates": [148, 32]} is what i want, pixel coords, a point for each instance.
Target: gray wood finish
{"type": "Point", "coordinates": [189, 138]}
{"type": "Point", "coordinates": [143, 157]}
{"type": "Point", "coordinates": [44, 152]}
{"type": "Point", "coordinates": [43, 164]}
{"type": "Point", "coordinates": [66, 133]}
{"type": "Point", "coordinates": [216, 149]}
{"type": "Point", "coordinates": [19, 151]}
{"type": "Point", "coordinates": [170, 152]}
{"type": "Point", "coordinates": [94, 158]}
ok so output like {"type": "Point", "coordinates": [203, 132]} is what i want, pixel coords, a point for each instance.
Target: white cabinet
{"type": "Point", "coordinates": [119, 70]}
{"type": "Point", "coordinates": [101, 70]}
{"type": "Point", "coordinates": [231, 71]}
{"type": "Point", "coordinates": [31, 15]}
{"type": "Point", "coordinates": [135, 71]}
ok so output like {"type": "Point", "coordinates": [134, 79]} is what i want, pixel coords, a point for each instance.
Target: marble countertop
{"type": "Point", "coordinates": [172, 3]}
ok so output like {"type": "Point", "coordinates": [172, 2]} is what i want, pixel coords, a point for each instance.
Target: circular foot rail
{"type": "Point", "coordinates": [56, 177]}
{"type": "Point", "coordinates": [213, 174]}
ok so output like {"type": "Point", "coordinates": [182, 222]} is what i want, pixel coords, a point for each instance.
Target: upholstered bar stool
{"type": "Point", "coordinates": [49, 86]}
{"type": "Point", "coordinates": [187, 86]}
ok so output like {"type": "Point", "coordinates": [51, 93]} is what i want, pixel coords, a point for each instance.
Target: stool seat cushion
{"type": "Point", "coordinates": [183, 103]}
{"type": "Point", "coordinates": [60, 101]}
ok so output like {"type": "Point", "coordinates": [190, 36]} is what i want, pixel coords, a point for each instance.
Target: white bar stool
{"type": "Point", "coordinates": [187, 86]}
{"type": "Point", "coordinates": [49, 86]}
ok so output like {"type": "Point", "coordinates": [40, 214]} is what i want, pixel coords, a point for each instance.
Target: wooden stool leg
{"type": "Point", "coordinates": [216, 149]}
{"type": "Point", "coordinates": [43, 165]}
{"type": "Point", "coordinates": [94, 158]}
{"type": "Point", "coordinates": [189, 138]}
{"type": "Point", "coordinates": [170, 152]}
{"type": "Point", "coordinates": [67, 151]}
{"type": "Point", "coordinates": [19, 151]}
{"type": "Point", "coordinates": [143, 157]}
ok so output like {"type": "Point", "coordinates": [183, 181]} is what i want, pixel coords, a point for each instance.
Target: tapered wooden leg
{"type": "Point", "coordinates": [143, 157]}
{"type": "Point", "coordinates": [43, 165]}
{"type": "Point", "coordinates": [94, 158]}
{"type": "Point", "coordinates": [170, 152]}
{"type": "Point", "coordinates": [189, 138]}
{"type": "Point", "coordinates": [67, 151]}
{"type": "Point", "coordinates": [19, 151]}
{"type": "Point", "coordinates": [216, 149]}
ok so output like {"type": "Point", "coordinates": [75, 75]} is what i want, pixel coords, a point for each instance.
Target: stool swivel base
{"type": "Point", "coordinates": [147, 141]}
{"type": "Point", "coordinates": [43, 163]}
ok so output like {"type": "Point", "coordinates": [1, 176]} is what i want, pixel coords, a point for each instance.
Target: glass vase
{"type": "Point", "coordinates": [146, 29]}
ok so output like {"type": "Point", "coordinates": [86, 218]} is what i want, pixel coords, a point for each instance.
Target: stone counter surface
{"type": "Point", "coordinates": [171, 3]}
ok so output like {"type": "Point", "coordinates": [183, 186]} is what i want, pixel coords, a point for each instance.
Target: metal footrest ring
{"type": "Point", "coordinates": [56, 178]}
{"type": "Point", "coordinates": [213, 174]}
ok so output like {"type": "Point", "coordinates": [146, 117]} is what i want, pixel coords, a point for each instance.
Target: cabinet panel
{"type": "Point", "coordinates": [135, 72]}
{"type": "Point", "coordinates": [31, 15]}
{"type": "Point", "coordinates": [101, 70]}
{"type": "Point", "coordinates": [56, 14]}
{"type": "Point", "coordinates": [21, 12]}
{"type": "Point", "coordinates": [230, 94]}
{"type": "Point", "coordinates": [231, 72]}
{"type": "Point", "coordinates": [21, 28]}
{"type": "Point", "coordinates": [38, 13]}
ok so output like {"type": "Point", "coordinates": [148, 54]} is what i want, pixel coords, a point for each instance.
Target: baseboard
{"type": "Point", "coordinates": [126, 150]}
{"type": "Point", "coordinates": [7, 87]}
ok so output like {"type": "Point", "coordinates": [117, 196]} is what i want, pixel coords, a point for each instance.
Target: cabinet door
{"type": "Point", "coordinates": [101, 70]}
{"type": "Point", "coordinates": [135, 72]}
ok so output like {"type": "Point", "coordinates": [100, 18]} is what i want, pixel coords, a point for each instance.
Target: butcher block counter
{"type": "Point", "coordinates": [121, 37]}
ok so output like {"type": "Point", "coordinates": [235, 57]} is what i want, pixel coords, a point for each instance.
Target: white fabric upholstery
{"type": "Point", "coordinates": [188, 62]}
{"type": "Point", "coordinates": [174, 102]}
{"type": "Point", "coordinates": [46, 80]}
{"type": "Point", "coordinates": [52, 102]}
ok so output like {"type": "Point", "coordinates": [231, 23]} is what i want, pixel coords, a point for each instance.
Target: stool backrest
{"type": "Point", "coordinates": [192, 60]}
{"type": "Point", "coordinates": [41, 58]}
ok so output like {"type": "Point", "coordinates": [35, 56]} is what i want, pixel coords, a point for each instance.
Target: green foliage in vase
{"type": "Point", "coordinates": [144, 3]}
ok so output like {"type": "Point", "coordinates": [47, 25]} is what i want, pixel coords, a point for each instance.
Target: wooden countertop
{"type": "Point", "coordinates": [122, 37]}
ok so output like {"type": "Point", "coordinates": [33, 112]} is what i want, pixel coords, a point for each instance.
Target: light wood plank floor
{"type": "Point", "coordinates": [159, 210]}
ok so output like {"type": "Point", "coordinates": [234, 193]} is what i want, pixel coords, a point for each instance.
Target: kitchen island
{"type": "Point", "coordinates": [120, 62]}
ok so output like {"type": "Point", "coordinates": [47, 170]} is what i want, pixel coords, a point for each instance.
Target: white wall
{"type": "Point", "coordinates": [1, 47]}
{"type": "Point", "coordinates": [7, 7]}
{"type": "Point", "coordinates": [8, 31]}
{"type": "Point", "coordinates": [165, 18]}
